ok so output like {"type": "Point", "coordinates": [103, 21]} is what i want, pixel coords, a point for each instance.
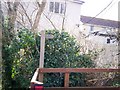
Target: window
{"type": "Point", "coordinates": [108, 41]}
{"type": "Point", "coordinates": [91, 28]}
{"type": "Point", "coordinates": [51, 8]}
{"type": "Point", "coordinates": [57, 7]}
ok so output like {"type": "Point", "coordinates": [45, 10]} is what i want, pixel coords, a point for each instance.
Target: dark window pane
{"type": "Point", "coordinates": [108, 40]}
{"type": "Point", "coordinates": [57, 7]}
{"type": "Point", "coordinates": [62, 10]}
{"type": "Point", "coordinates": [51, 8]}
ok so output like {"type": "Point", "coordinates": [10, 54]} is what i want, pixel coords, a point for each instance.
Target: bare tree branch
{"type": "Point", "coordinates": [21, 23]}
{"type": "Point", "coordinates": [29, 19]}
{"type": "Point", "coordinates": [50, 21]}
{"type": "Point", "coordinates": [21, 17]}
{"type": "Point", "coordinates": [38, 15]}
{"type": "Point", "coordinates": [33, 13]}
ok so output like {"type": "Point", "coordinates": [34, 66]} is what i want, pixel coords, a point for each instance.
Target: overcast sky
{"type": "Point", "coordinates": [93, 7]}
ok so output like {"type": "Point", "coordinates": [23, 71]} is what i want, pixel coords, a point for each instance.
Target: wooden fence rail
{"type": "Point", "coordinates": [75, 70]}
{"type": "Point", "coordinates": [40, 71]}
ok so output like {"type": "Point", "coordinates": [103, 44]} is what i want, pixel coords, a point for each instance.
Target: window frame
{"type": "Point", "coordinates": [57, 7]}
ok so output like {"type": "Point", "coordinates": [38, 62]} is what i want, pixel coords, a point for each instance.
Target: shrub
{"type": "Point", "coordinates": [61, 51]}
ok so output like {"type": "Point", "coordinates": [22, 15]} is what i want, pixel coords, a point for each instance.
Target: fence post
{"type": "Point", "coordinates": [40, 77]}
{"type": "Point", "coordinates": [66, 80]}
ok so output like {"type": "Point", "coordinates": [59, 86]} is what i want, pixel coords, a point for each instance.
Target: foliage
{"type": "Point", "coordinates": [61, 51]}
{"type": "Point", "coordinates": [7, 55]}
{"type": "Point", "coordinates": [116, 80]}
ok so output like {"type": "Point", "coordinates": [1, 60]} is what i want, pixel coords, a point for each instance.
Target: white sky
{"type": "Point", "coordinates": [93, 7]}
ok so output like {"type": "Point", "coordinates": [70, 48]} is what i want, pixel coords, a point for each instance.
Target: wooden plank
{"type": "Point", "coordinates": [34, 78]}
{"type": "Point", "coordinates": [69, 70]}
{"type": "Point", "coordinates": [49, 36]}
{"type": "Point", "coordinates": [42, 49]}
{"type": "Point", "coordinates": [40, 78]}
{"type": "Point", "coordinates": [82, 88]}
{"type": "Point", "coordinates": [66, 80]}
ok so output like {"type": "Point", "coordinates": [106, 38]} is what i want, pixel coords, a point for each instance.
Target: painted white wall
{"type": "Point", "coordinates": [72, 17]}
{"type": "Point", "coordinates": [101, 40]}
{"type": "Point", "coordinates": [108, 58]}
{"type": "Point", "coordinates": [54, 17]}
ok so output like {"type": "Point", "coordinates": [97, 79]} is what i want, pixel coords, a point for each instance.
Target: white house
{"type": "Point", "coordinates": [61, 14]}
{"type": "Point", "coordinates": [101, 30]}
{"type": "Point", "coordinates": [101, 34]}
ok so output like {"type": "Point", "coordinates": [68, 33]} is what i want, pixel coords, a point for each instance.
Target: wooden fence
{"type": "Point", "coordinates": [39, 74]}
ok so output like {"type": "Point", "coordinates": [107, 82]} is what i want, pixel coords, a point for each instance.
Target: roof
{"type": "Point", "coordinates": [99, 21]}
{"type": "Point", "coordinates": [77, 1]}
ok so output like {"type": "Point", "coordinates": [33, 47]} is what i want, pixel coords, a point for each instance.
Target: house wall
{"type": "Point", "coordinates": [48, 19]}
{"type": "Point", "coordinates": [101, 40]}
{"type": "Point", "coordinates": [72, 17]}
{"type": "Point", "coordinates": [107, 56]}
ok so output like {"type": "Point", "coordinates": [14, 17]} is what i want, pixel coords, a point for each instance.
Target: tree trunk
{"type": "Point", "coordinates": [38, 15]}
{"type": "Point", "coordinates": [12, 14]}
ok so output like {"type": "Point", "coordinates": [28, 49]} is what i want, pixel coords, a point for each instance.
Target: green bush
{"type": "Point", "coordinates": [63, 52]}
{"type": "Point", "coordinates": [60, 52]}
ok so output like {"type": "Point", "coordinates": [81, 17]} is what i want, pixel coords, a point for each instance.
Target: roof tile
{"type": "Point", "coordinates": [99, 21]}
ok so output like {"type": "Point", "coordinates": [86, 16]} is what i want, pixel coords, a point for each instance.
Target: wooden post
{"type": "Point", "coordinates": [66, 80]}
{"type": "Point", "coordinates": [40, 78]}
{"type": "Point", "coordinates": [42, 49]}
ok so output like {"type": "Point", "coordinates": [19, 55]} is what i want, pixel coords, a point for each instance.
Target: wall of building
{"type": "Point", "coordinates": [107, 52]}
{"type": "Point", "coordinates": [72, 18]}
{"type": "Point", "coordinates": [102, 30]}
